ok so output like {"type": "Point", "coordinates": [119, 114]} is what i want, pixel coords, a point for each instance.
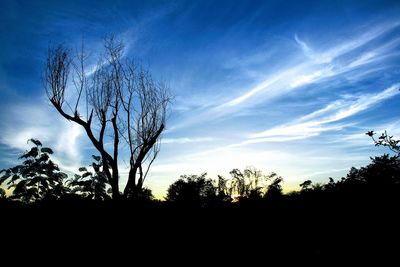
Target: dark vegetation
{"type": "Point", "coordinates": [38, 179]}
{"type": "Point", "coordinates": [353, 217]}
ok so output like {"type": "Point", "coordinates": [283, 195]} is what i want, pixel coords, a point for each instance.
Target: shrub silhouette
{"type": "Point", "coordinates": [274, 190]}
{"type": "Point", "coordinates": [37, 178]}
{"type": "Point", "coordinates": [145, 194]}
{"type": "Point", "coordinates": [193, 190]}
{"type": "Point", "coordinates": [91, 185]}
{"type": "Point", "coordinates": [306, 185]}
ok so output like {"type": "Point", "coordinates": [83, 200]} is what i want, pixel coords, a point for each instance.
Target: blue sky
{"type": "Point", "coordinates": [285, 86]}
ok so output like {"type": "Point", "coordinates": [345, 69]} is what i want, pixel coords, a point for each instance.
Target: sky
{"type": "Point", "coordinates": [284, 86]}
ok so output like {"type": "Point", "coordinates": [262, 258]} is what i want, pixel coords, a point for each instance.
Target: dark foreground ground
{"type": "Point", "coordinates": [240, 233]}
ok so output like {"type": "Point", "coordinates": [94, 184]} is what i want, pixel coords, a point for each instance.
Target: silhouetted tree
{"type": "Point", "coordinates": [306, 185]}
{"type": "Point", "coordinates": [379, 180]}
{"type": "Point", "coordinates": [274, 190]}
{"type": "Point", "coordinates": [383, 172]}
{"type": "Point", "coordinates": [318, 188]}
{"type": "Point", "coordinates": [192, 190]}
{"type": "Point", "coordinates": [223, 192]}
{"type": "Point", "coordinates": [251, 183]}
{"type": "Point", "coordinates": [145, 194]}
{"type": "Point", "coordinates": [37, 178]}
{"type": "Point", "coordinates": [330, 186]}
{"type": "Point", "coordinates": [247, 184]}
{"type": "Point", "coordinates": [121, 98]}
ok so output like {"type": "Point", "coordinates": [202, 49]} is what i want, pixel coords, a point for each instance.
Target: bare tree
{"type": "Point", "coordinates": [122, 103]}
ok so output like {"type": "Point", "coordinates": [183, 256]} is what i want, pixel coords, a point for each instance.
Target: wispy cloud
{"type": "Point", "coordinates": [343, 60]}
{"type": "Point", "coordinates": [304, 47]}
{"type": "Point", "coordinates": [362, 39]}
{"type": "Point", "coordinates": [185, 140]}
{"type": "Point", "coordinates": [323, 119]}
{"type": "Point", "coordinates": [320, 66]}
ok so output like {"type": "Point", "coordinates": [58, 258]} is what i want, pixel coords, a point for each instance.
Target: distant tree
{"type": "Point", "coordinates": [91, 185]}
{"type": "Point", "coordinates": [221, 185]}
{"type": "Point", "coordinates": [223, 192]}
{"type": "Point", "coordinates": [330, 186]}
{"type": "Point", "coordinates": [386, 140]}
{"type": "Point", "coordinates": [37, 178]}
{"type": "Point", "coordinates": [318, 187]}
{"type": "Point", "coordinates": [247, 184]}
{"type": "Point", "coordinates": [146, 194]}
{"type": "Point", "coordinates": [115, 101]}
{"type": "Point", "coordinates": [252, 183]}
{"type": "Point", "coordinates": [274, 190]}
{"type": "Point", "coordinates": [192, 190]}
{"type": "Point", "coordinates": [306, 185]}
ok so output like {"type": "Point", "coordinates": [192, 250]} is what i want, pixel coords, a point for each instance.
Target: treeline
{"type": "Point", "coordinates": [353, 217]}
{"type": "Point", "coordinates": [379, 181]}
{"type": "Point", "coordinates": [38, 179]}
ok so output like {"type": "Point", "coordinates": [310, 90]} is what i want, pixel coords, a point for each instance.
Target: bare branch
{"type": "Point", "coordinates": [80, 80]}
{"type": "Point", "coordinates": [127, 103]}
{"type": "Point", "coordinates": [56, 73]}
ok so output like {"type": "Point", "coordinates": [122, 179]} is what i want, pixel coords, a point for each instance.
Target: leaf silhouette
{"type": "Point", "coordinates": [35, 141]}
{"type": "Point", "coordinates": [97, 158]}
{"type": "Point", "coordinates": [82, 169]}
{"type": "Point", "coordinates": [47, 150]}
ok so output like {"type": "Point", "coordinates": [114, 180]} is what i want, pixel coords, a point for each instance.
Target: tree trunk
{"type": "Point", "coordinates": [130, 187]}
{"type": "Point", "coordinates": [115, 190]}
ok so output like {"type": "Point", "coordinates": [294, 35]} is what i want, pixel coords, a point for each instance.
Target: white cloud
{"type": "Point", "coordinates": [40, 121]}
{"type": "Point", "coordinates": [301, 80]}
{"type": "Point", "coordinates": [321, 120]}
{"type": "Point", "coordinates": [320, 66]}
{"type": "Point", "coordinates": [276, 139]}
{"type": "Point", "coordinates": [342, 60]}
{"type": "Point", "coordinates": [351, 105]}
{"type": "Point", "coordinates": [184, 140]}
{"type": "Point", "coordinates": [68, 140]}
{"type": "Point", "coordinates": [259, 88]}
{"type": "Point", "coordinates": [346, 47]}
